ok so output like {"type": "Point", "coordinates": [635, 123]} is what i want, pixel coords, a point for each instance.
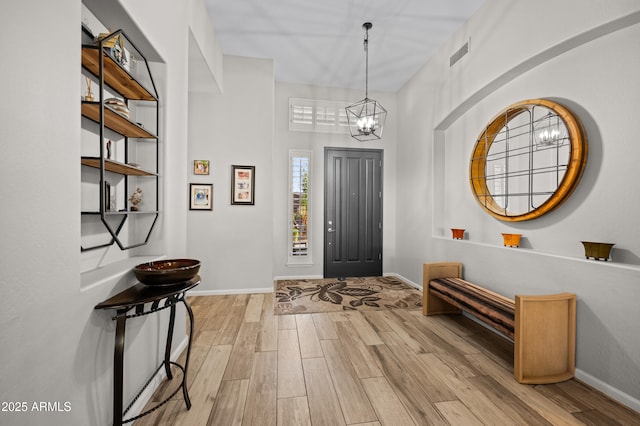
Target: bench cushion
{"type": "Point", "coordinates": [489, 307]}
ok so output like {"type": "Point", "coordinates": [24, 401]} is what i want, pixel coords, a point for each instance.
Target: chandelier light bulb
{"type": "Point", "coordinates": [544, 136]}
{"type": "Point", "coordinates": [366, 125]}
{"type": "Point", "coordinates": [549, 137]}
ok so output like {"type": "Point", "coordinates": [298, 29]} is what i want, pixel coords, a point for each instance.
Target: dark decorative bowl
{"type": "Point", "coordinates": [598, 251]}
{"type": "Point", "coordinates": [170, 271]}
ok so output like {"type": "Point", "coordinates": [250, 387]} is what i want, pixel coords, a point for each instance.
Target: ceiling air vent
{"type": "Point", "coordinates": [459, 54]}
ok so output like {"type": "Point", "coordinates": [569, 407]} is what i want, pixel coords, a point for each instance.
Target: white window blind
{"type": "Point", "coordinates": [301, 115]}
{"type": "Point", "coordinates": [299, 206]}
{"type": "Point", "coordinates": [310, 115]}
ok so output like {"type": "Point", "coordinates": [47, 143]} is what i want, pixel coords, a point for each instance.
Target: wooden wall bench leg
{"type": "Point", "coordinates": [545, 338]}
{"type": "Point", "coordinates": [432, 305]}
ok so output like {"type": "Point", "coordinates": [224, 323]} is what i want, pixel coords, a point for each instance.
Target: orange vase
{"type": "Point", "coordinates": [457, 234]}
{"type": "Point", "coordinates": [511, 240]}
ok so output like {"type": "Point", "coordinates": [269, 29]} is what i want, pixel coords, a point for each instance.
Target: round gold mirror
{"type": "Point", "coordinates": [528, 160]}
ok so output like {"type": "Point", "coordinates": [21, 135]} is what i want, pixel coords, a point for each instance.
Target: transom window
{"type": "Point", "coordinates": [309, 115]}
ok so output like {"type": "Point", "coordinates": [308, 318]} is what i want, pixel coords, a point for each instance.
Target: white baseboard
{"type": "Point", "coordinates": [608, 390]}
{"type": "Point", "coordinates": [299, 277]}
{"type": "Point", "coordinates": [406, 280]}
{"type": "Point", "coordinates": [145, 396]}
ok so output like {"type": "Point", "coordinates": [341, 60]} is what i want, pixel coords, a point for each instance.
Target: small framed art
{"type": "Point", "coordinates": [200, 167]}
{"type": "Point", "coordinates": [243, 179]}
{"type": "Point", "coordinates": [200, 196]}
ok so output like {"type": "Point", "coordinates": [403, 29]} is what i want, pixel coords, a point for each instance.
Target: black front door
{"type": "Point", "coordinates": [352, 212]}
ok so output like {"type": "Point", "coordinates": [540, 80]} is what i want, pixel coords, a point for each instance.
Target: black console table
{"type": "Point", "coordinates": [135, 299]}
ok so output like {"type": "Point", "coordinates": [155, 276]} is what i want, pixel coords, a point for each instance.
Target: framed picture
{"type": "Point", "coordinates": [200, 167]}
{"type": "Point", "coordinates": [243, 179]}
{"type": "Point", "coordinates": [200, 196]}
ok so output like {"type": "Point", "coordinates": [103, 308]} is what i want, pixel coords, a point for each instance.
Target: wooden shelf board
{"type": "Point", "coordinates": [114, 75]}
{"type": "Point", "coordinates": [116, 167]}
{"type": "Point", "coordinates": [114, 121]}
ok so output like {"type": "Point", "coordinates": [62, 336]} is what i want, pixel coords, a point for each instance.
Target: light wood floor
{"type": "Point", "coordinates": [249, 367]}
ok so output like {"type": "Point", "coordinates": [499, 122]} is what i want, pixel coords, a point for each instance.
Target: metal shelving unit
{"type": "Point", "coordinates": [109, 61]}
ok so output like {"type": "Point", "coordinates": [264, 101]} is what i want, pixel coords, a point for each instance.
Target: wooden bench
{"type": "Point", "coordinates": [543, 328]}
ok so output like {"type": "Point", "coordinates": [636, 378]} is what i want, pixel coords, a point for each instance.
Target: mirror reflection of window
{"type": "Point", "coordinates": [498, 185]}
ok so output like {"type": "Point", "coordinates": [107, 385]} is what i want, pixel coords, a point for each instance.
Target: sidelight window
{"type": "Point", "coordinates": [299, 205]}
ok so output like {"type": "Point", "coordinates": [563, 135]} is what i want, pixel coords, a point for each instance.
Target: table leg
{"type": "Point", "coordinates": [118, 367]}
{"type": "Point", "coordinates": [186, 362]}
{"type": "Point", "coordinates": [167, 349]}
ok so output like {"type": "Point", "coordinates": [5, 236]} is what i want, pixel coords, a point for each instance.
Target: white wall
{"type": "Point", "coordinates": [244, 247]}
{"type": "Point", "coordinates": [39, 133]}
{"type": "Point", "coordinates": [233, 242]}
{"type": "Point", "coordinates": [582, 57]}
{"type": "Point", "coordinates": [316, 142]}
{"type": "Point", "coordinates": [55, 347]}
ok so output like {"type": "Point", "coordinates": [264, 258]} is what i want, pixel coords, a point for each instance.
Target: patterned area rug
{"type": "Point", "coordinates": [332, 295]}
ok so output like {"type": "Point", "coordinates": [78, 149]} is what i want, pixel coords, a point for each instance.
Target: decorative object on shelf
{"type": "Point", "coordinates": [135, 199]}
{"type": "Point", "coordinates": [112, 41]}
{"type": "Point", "coordinates": [115, 46]}
{"type": "Point", "coordinates": [129, 61]}
{"type": "Point", "coordinates": [109, 143]}
{"type": "Point", "coordinates": [243, 179]}
{"type": "Point", "coordinates": [528, 160]}
{"type": "Point", "coordinates": [511, 240]}
{"type": "Point", "coordinates": [200, 167]}
{"type": "Point", "coordinates": [366, 118]}
{"type": "Point", "coordinates": [597, 251]}
{"type": "Point", "coordinates": [89, 95]}
{"type": "Point", "coordinates": [200, 196]}
{"type": "Point", "coordinates": [164, 272]}
{"type": "Point", "coordinates": [110, 203]}
{"type": "Point", "coordinates": [113, 203]}
{"type": "Point", "coordinates": [118, 106]}
{"type": "Point", "coordinates": [457, 234]}
{"type": "Point", "coordinates": [108, 197]}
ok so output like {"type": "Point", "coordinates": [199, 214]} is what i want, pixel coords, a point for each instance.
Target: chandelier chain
{"type": "Point", "coordinates": [366, 68]}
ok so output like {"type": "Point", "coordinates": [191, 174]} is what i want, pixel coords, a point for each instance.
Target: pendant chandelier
{"type": "Point", "coordinates": [366, 117]}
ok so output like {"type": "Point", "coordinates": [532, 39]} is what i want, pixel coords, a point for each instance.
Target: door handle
{"type": "Point", "coordinates": [331, 230]}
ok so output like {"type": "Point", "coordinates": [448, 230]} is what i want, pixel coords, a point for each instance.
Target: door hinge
{"type": "Point", "coordinates": [380, 194]}
{"type": "Point", "coordinates": [379, 225]}
{"type": "Point", "coordinates": [379, 256]}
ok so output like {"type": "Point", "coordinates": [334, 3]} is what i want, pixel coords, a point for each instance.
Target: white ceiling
{"type": "Point", "coordinates": [321, 42]}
